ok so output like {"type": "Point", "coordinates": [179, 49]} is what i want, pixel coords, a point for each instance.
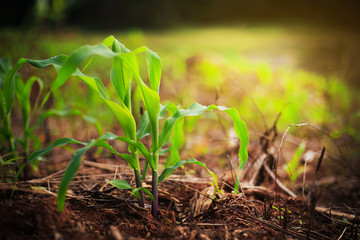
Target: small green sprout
{"type": "Point", "coordinates": [293, 169]}
{"type": "Point", "coordinates": [125, 71]}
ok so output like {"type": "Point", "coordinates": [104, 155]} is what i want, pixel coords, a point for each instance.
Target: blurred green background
{"type": "Point", "coordinates": [297, 58]}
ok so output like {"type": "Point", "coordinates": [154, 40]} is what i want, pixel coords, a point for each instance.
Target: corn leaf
{"type": "Point", "coordinates": [150, 97]}
{"type": "Point", "coordinates": [169, 170]}
{"type": "Point", "coordinates": [70, 172]}
{"type": "Point", "coordinates": [144, 127]}
{"type": "Point", "coordinates": [293, 169]}
{"type": "Point", "coordinates": [76, 58]}
{"type": "Point", "coordinates": [121, 184]}
{"type": "Point", "coordinates": [136, 193]}
{"type": "Point", "coordinates": [176, 142]}
{"type": "Point", "coordinates": [140, 146]}
{"type": "Point", "coordinates": [196, 109]}
{"type": "Point", "coordinates": [23, 95]}
{"type": "Point", "coordinates": [120, 75]}
{"type": "Point", "coordinates": [42, 152]}
{"type": "Point", "coordinates": [75, 162]}
{"type": "Point", "coordinates": [125, 118]}
{"type": "Point", "coordinates": [121, 112]}
{"type": "Point", "coordinates": [64, 113]}
{"type": "Point", "coordinates": [10, 81]}
{"type": "Point", "coordinates": [154, 67]}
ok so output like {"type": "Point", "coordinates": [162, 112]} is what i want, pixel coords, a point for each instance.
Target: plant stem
{"type": "Point", "coordinates": [137, 174]}
{"type": "Point", "coordinates": [155, 192]}
{"type": "Point", "coordinates": [139, 184]}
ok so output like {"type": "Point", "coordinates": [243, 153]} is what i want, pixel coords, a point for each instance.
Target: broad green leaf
{"type": "Point", "coordinates": [76, 58]}
{"type": "Point", "coordinates": [124, 116]}
{"type": "Point", "coordinates": [140, 146]}
{"type": "Point", "coordinates": [168, 171]}
{"type": "Point", "coordinates": [109, 41]}
{"type": "Point", "coordinates": [75, 162]}
{"type": "Point", "coordinates": [127, 157]}
{"type": "Point", "coordinates": [9, 86]}
{"type": "Point", "coordinates": [121, 112]}
{"type": "Point", "coordinates": [242, 133]}
{"type": "Point", "coordinates": [135, 192]}
{"type": "Point", "coordinates": [42, 152]}
{"type": "Point", "coordinates": [73, 112]}
{"type": "Point", "coordinates": [5, 66]}
{"type": "Point", "coordinates": [9, 82]}
{"type": "Point", "coordinates": [150, 97]}
{"type": "Point", "coordinates": [197, 109]}
{"type": "Point", "coordinates": [70, 172]}
{"type": "Point", "coordinates": [164, 151]}
{"type": "Point", "coordinates": [293, 169]}
{"type": "Point", "coordinates": [194, 110]}
{"type": "Point", "coordinates": [178, 134]}
{"type": "Point", "coordinates": [154, 67]}
{"type": "Point", "coordinates": [176, 142]}
{"type": "Point", "coordinates": [121, 184]}
{"type": "Point", "coordinates": [56, 61]}
{"type": "Point", "coordinates": [23, 96]}
{"type": "Point", "coordinates": [120, 74]}
{"type": "Point", "coordinates": [144, 127]}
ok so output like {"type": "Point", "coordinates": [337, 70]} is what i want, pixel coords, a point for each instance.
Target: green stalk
{"type": "Point", "coordinates": [135, 154]}
{"type": "Point", "coordinates": [10, 137]}
{"type": "Point", "coordinates": [155, 192]}
{"type": "Point", "coordinates": [26, 148]}
{"type": "Point", "coordinates": [138, 180]}
{"type": "Point", "coordinates": [155, 184]}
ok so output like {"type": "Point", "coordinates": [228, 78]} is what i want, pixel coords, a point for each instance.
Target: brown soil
{"type": "Point", "coordinates": [95, 210]}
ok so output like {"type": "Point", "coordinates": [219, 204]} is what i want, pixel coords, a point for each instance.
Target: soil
{"type": "Point", "coordinates": [319, 205]}
{"type": "Point", "coordinates": [95, 210]}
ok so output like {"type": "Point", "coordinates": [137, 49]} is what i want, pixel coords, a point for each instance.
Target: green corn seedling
{"type": "Point", "coordinates": [125, 69]}
{"type": "Point", "coordinates": [13, 87]}
{"type": "Point", "coordinates": [292, 168]}
{"type": "Point", "coordinates": [22, 91]}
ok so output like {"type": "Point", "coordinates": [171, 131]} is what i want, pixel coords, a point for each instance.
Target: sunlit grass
{"type": "Point", "coordinates": [299, 72]}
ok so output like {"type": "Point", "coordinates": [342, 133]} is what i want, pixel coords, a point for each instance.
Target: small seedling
{"type": "Point", "coordinates": [125, 69]}
{"type": "Point", "coordinates": [293, 169]}
{"type": "Point", "coordinates": [13, 87]}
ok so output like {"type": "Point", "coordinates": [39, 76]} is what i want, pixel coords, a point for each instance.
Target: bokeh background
{"type": "Point", "coordinates": [299, 59]}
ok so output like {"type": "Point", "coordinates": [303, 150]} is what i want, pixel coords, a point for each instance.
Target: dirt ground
{"type": "Point", "coordinates": [96, 210]}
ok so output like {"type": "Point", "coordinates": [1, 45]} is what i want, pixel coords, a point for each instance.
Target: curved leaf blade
{"type": "Point", "coordinates": [78, 56]}
{"type": "Point", "coordinates": [70, 172]}
{"type": "Point", "coordinates": [136, 193]}
{"type": "Point", "coordinates": [169, 170]}
{"type": "Point", "coordinates": [119, 183]}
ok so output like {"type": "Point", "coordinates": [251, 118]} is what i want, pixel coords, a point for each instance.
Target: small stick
{"type": "Point", "coordinates": [264, 222]}
{"type": "Point", "coordinates": [282, 186]}
{"type": "Point", "coordinates": [342, 234]}
{"type": "Point", "coordinates": [336, 214]}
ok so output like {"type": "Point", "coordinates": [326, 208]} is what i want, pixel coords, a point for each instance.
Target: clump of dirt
{"type": "Point", "coordinates": [34, 216]}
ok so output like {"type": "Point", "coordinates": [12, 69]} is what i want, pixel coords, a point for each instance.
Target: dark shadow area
{"type": "Point", "coordinates": [113, 14]}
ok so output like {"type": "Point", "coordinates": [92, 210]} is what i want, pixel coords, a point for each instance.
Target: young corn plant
{"type": "Point", "coordinates": [124, 71]}
{"type": "Point", "coordinates": [22, 92]}
{"type": "Point", "coordinates": [292, 168]}
{"type": "Point", "coordinates": [13, 87]}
